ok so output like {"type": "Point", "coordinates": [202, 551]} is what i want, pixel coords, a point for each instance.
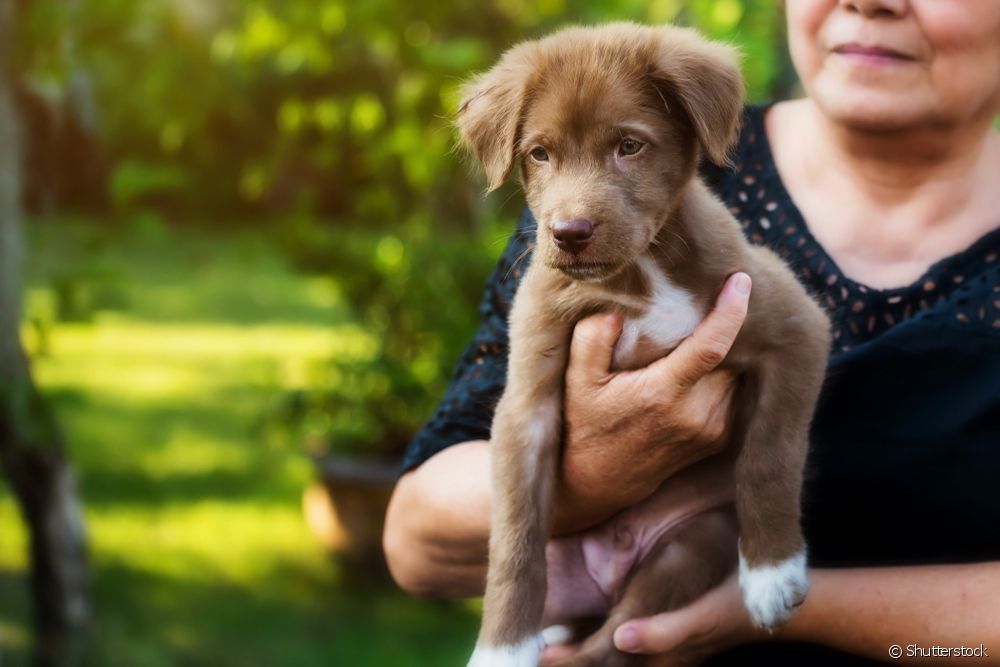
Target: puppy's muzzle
{"type": "Point", "coordinates": [573, 235]}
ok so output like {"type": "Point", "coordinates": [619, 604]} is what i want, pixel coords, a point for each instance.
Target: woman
{"type": "Point", "coordinates": [880, 189]}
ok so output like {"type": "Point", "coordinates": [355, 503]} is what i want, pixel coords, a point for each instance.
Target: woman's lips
{"type": "Point", "coordinates": [873, 55]}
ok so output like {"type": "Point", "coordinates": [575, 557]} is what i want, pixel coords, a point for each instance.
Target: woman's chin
{"type": "Point", "coordinates": [874, 111]}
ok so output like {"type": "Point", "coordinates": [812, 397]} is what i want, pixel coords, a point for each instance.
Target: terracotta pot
{"type": "Point", "coordinates": [346, 506]}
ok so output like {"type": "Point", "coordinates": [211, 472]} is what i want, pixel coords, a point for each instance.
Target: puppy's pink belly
{"type": "Point", "coordinates": [588, 571]}
{"type": "Point", "coordinates": [611, 556]}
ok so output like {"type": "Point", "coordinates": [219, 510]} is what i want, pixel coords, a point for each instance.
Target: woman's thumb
{"type": "Point", "coordinates": [655, 634]}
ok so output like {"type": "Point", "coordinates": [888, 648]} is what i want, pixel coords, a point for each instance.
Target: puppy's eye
{"type": "Point", "coordinates": [629, 147]}
{"type": "Point", "coordinates": [539, 154]}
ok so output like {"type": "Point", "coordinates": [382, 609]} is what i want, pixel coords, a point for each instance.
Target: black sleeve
{"type": "Point", "coordinates": [466, 411]}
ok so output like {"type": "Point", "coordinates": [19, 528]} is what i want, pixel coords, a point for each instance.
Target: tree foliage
{"type": "Point", "coordinates": [332, 118]}
{"type": "Point", "coordinates": [331, 107]}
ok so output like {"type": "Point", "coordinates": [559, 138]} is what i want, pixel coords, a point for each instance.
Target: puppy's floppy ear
{"type": "Point", "coordinates": [489, 116]}
{"type": "Point", "coordinates": [705, 78]}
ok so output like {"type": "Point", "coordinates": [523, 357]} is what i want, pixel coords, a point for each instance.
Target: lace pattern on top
{"type": "Point", "coordinates": [962, 289]}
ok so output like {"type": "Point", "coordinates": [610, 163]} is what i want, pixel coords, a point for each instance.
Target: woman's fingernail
{"type": "Point", "coordinates": [627, 639]}
{"type": "Point", "coordinates": [742, 283]}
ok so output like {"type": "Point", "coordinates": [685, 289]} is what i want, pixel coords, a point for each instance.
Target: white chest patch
{"type": "Point", "coordinates": [671, 317]}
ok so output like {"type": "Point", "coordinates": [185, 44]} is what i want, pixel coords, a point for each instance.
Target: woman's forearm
{"type": "Point", "coordinates": [438, 524]}
{"type": "Point", "coordinates": [908, 610]}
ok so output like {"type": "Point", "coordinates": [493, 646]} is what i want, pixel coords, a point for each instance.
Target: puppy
{"type": "Point", "coordinates": [606, 126]}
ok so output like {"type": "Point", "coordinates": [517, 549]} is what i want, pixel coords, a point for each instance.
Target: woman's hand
{"type": "Point", "coordinates": [684, 637]}
{"type": "Point", "coordinates": [627, 432]}
{"type": "Point", "coordinates": [688, 636]}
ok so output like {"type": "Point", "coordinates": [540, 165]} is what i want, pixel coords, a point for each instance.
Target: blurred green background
{"type": "Point", "coordinates": [251, 243]}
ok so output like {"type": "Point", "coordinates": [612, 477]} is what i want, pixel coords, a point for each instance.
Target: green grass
{"type": "Point", "coordinates": [184, 345]}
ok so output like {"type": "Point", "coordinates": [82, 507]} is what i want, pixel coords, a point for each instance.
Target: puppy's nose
{"type": "Point", "coordinates": [573, 235]}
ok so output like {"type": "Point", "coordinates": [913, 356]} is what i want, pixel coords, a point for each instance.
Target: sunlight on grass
{"type": "Point", "coordinates": [199, 550]}
{"type": "Point", "coordinates": [144, 365]}
{"type": "Point", "coordinates": [215, 542]}
{"type": "Point", "coordinates": [13, 538]}
{"type": "Point", "coordinates": [140, 361]}
{"type": "Point", "coordinates": [186, 452]}
{"type": "Point", "coordinates": [15, 636]}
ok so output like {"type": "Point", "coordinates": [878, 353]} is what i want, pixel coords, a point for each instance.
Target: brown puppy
{"type": "Point", "coordinates": [606, 126]}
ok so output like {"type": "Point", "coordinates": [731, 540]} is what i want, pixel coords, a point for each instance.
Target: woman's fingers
{"type": "Point", "coordinates": [705, 349]}
{"type": "Point", "coordinates": [592, 347]}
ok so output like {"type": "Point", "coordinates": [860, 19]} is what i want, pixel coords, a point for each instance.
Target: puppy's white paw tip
{"type": "Point", "coordinates": [772, 592]}
{"type": "Point", "coordinates": [557, 635]}
{"type": "Point", "coordinates": [524, 654]}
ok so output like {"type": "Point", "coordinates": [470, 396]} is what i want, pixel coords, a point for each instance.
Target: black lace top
{"type": "Point", "coordinates": [906, 440]}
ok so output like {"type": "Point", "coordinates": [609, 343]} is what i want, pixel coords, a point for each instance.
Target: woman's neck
{"type": "Point", "coordinates": [933, 170]}
{"type": "Point", "coordinates": [886, 205]}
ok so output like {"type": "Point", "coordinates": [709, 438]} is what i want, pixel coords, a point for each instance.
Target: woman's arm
{"type": "Point", "coordinates": [438, 524]}
{"type": "Point", "coordinates": [866, 611]}
{"type": "Point", "coordinates": [666, 417]}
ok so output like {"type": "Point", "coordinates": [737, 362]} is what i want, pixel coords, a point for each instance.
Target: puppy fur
{"type": "Point", "coordinates": [568, 112]}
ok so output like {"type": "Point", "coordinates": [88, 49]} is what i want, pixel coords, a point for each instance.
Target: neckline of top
{"type": "Point", "coordinates": [990, 239]}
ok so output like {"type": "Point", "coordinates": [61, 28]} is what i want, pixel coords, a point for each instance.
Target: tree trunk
{"type": "Point", "coordinates": [31, 446]}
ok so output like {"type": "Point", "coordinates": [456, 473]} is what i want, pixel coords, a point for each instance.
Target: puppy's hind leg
{"type": "Point", "coordinates": [695, 559]}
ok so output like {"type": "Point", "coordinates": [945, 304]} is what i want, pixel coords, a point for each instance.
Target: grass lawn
{"type": "Point", "coordinates": [200, 554]}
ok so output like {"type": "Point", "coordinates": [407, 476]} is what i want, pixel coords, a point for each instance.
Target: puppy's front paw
{"type": "Point", "coordinates": [524, 654]}
{"type": "Point", "coordinates": [772, 592]}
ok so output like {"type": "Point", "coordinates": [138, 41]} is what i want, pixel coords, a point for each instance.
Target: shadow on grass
{"type": "Point", "coordinates": [106, 489]}
{"type": "Point", "coordinates": [149, 272]}
{"type": "Point", "coordinates": [292, 619]}
{"type": "Point", "coordinates": [203, 451]}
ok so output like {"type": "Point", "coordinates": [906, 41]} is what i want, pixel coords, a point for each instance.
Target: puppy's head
{"type": "Point", "coordinates": [606, 125]}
